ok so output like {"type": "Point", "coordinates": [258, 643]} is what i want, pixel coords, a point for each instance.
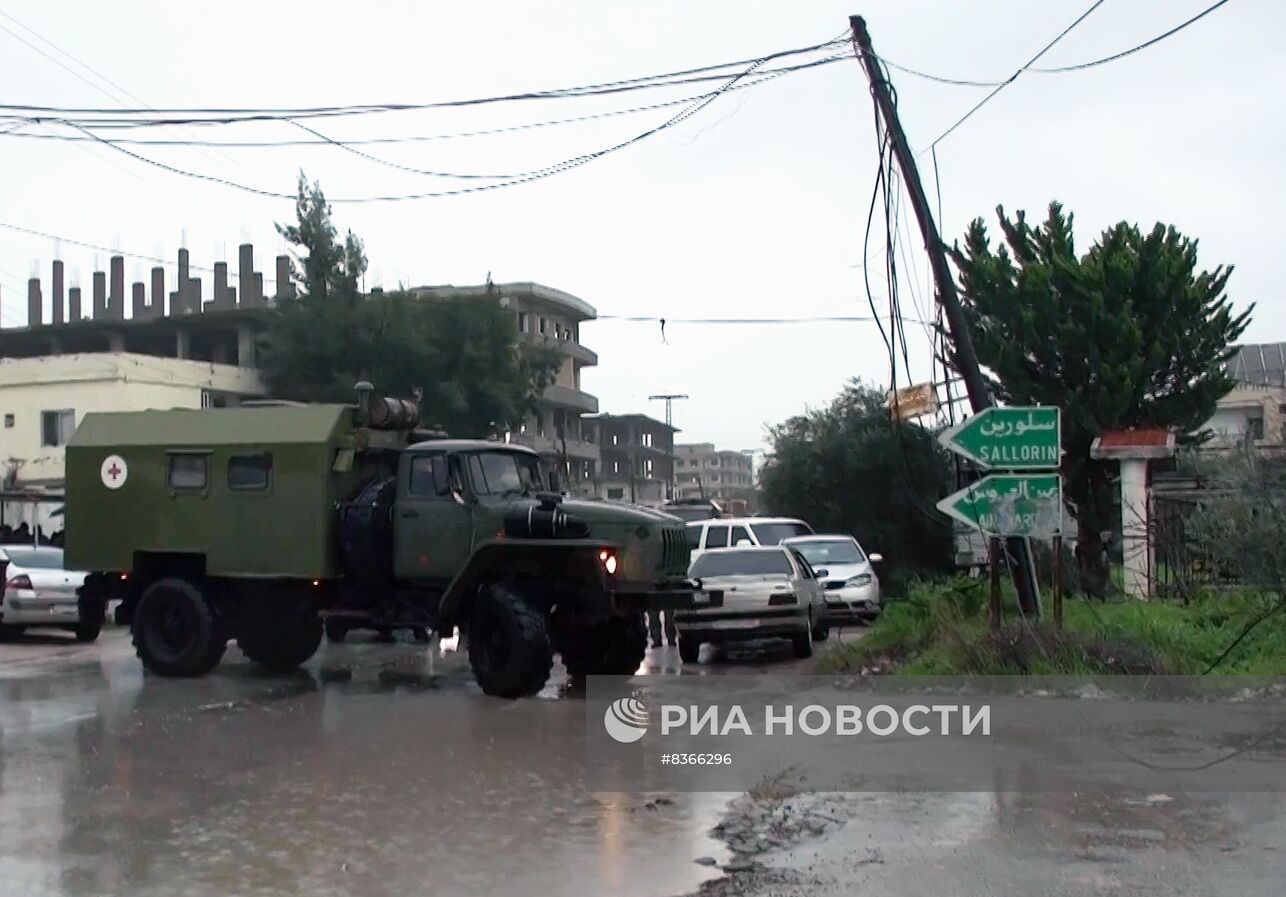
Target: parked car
{"type": "Point", "coordinates": [756, 593]}
{"type": "Point", "coordinates": [732, 532]}
{"type": "Point", "coordinates": [851, 586]}
{"type": "Point", "coordinates": [39, 592]}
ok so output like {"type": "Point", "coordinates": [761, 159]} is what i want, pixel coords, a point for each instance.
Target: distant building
{"type": "Point", "coordinates": [1254, 412]}
{"type": "Point", "coordinates": [637, 458]}
{"type": "Point", "coordinates": [557, 429]}
{"type": "Point", "coordinates": [702, 471]}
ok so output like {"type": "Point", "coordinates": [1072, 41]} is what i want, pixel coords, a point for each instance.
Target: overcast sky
{"type": "Point", "coordinates": [754, 208]}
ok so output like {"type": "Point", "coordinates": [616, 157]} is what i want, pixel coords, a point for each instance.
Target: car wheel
{"type": "Point", "coordinates": [822, 630]}
{"type": "Point", "coordinates": [803, 643]}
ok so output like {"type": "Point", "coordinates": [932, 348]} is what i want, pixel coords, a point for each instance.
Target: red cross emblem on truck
{"type": "Point", "coordinates": [114, 471]}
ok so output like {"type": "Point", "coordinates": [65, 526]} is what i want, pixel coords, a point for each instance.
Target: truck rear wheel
{"type": "Point", "coordinates": [614, 648]}
{"type": "Point", "coordinates": [508, 644]}
{"type": "Point", "coordinates": [280, 636]}
{"type": "Point", "coordinates": [175, 631]}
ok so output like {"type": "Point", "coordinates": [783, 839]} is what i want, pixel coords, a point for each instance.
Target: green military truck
{"type": "Point", "coordinates": [256, 524]}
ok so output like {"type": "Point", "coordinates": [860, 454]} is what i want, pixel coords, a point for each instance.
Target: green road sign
{"type": "Point", "coordinates": [1010, 505]}
{"type": "Point", "coordinates": [1022, 438]}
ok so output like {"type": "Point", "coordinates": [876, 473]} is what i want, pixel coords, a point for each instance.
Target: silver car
{"type": "Point", "coordinates": [851, 586]}
{"type": "Point", "coordinates": [38, 592]}
{"type": "Point", "coordinates": [766, 592]}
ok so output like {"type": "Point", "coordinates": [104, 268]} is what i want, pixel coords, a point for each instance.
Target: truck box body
{"type": "Point", "coordinates": [252, 490]}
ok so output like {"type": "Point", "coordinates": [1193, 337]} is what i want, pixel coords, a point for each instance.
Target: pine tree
{"type": "Point", "coordinates": [1129, 334]}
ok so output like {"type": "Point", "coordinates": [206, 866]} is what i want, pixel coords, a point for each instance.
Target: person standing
{"type": "Point", "coordinates": [655, 627]}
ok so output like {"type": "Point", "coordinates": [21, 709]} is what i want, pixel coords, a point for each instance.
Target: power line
{"type": "Point", "coordinates": [365, 141]}
{"type": "Point", "coordinates": [815, 319]}
{"type": "Point", "coordinates": [985, 100]}
{"type": "Point", "coordinates": [215, 115]}
{"type": "Point", "coordinates": [549, 171]}
{"type": "Point", "coordinates": [1143, 46]}
{"type": "Point", "coordinates": [1058, 70]}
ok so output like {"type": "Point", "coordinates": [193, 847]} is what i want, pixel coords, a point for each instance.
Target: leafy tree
{"type": "Point", "coordinates": [847, 468]}
{"type": "Point", "coordinates": [1129, 334]}
{"type": "Point", "coordinates": [462, 354]}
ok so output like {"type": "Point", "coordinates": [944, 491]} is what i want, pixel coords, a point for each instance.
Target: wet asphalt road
{"type": "Point", "coordinates": [382, 770]}
{"type": "Point", "coordinates": [378, 769]}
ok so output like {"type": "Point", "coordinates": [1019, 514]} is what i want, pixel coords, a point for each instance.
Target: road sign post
{"type": "Point", "coordinates": [1011, 438]}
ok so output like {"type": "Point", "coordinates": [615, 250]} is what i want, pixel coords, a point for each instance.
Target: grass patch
{"type": "Point", "coordinates": [940, 628]}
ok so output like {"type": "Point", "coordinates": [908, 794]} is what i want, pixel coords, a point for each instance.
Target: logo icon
{"type": "Point", "coordinates": [626, 720]}
{"type": "Point", "coordinates": [114, 471]}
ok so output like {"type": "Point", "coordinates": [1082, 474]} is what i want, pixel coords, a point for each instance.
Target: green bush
{"type": "Point", "coordinates": [941, 628]}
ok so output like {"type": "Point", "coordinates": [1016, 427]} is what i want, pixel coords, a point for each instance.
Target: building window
{"type": "Point", "coordinates": [56, 427]}
{"type": "Point", "coordinates": [522, 322]}
{"type": "Point", "coordinates": [8, 421]}
{"type": "Point", "coordinates": [544, 326]}
{"type": "Point", "coordinates": [249, 472]}
{"type": "Point", "coordinates": [616, 467]}
{"type": "Point", "coordinates": [616, 439]}
{"type": "Point", "coordinates": [616, 494]}
{"type": "Point", "coordinates": [188, 472]}
{"type": "Point", "coordinates": [647, 468]}
{"type": "Point", "coordinates": [1255, 426]}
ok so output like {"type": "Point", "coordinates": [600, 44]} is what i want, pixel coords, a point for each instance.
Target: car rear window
{"type": "Point", "coordinates": [39, 559]}
{"type": "Point", "coordinates": [773, 533]}
{"type": "Point", "coordinates": [742, 563]}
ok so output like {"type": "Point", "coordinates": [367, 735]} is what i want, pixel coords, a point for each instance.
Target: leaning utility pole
{"type": "Point", "coordinates": [669, 400]}
{"type": "Point", "coordinates": [966, 359]}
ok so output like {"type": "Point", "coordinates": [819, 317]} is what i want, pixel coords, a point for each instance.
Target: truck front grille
{"type": "Point", "coordinates": [676, 555]}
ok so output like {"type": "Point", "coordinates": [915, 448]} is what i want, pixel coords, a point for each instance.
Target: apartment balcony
{"type": "Point", "coordinates": [572, 349]}
{"type": "Point", "coordinates": [569, 398]}
{"type": "Point", "coordinates": [577, 449]}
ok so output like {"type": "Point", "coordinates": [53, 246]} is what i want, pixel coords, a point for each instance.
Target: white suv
{"type": "Point", "coordinates": [732, 532]}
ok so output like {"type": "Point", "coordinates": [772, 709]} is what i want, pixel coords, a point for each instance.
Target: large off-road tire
{"type": "Point", "coordinates": [279, 636]}
{"type": "Point", "coordinates": [87, 632]}
{"type": "Point", "coordinates": [9, 631]}
{"type": "Point", "coordinates": [689, 647]}
{"type": "Point", "coordinates": [175, 630]}
{"type": "Point", "coordinates": [509, 646]}
{"type": "Point", "coordinates": [612, 648]}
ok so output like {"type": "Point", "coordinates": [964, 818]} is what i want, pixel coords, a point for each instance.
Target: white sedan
{"type": "Point", "coordinates": [39, 592]}
{"type": "Point", "coordinates": [851, 585]}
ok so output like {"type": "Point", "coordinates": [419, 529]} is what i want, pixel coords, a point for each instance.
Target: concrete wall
{"type": "Point", "coordinates": [99, 382]}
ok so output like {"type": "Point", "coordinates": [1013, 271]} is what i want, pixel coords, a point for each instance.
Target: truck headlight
{"type": "Point", "coordinates": [861, 579]}
{"type": "Point", "coordinates": [608, 560]}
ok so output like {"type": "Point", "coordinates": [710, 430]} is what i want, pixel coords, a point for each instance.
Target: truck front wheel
{"type": "Point", "coordinates": [613, 648]}
{"type": "Point", "coordinates": [175, 630]}
{"type": "Point", "coordinates": [508, 644]}
{"type": "Point", "coordinates": [280, 636]}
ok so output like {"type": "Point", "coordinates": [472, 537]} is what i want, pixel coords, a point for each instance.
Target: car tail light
{"type": "Point", "coordinates": [19, 582]}
{"type": "Point", "coordinates": [783, 598]}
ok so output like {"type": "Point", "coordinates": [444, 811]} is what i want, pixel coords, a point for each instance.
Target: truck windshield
{"type": "Point", "coordinates": [741, 563]}
{"type": "Point", "coordinates": [497, 473]}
